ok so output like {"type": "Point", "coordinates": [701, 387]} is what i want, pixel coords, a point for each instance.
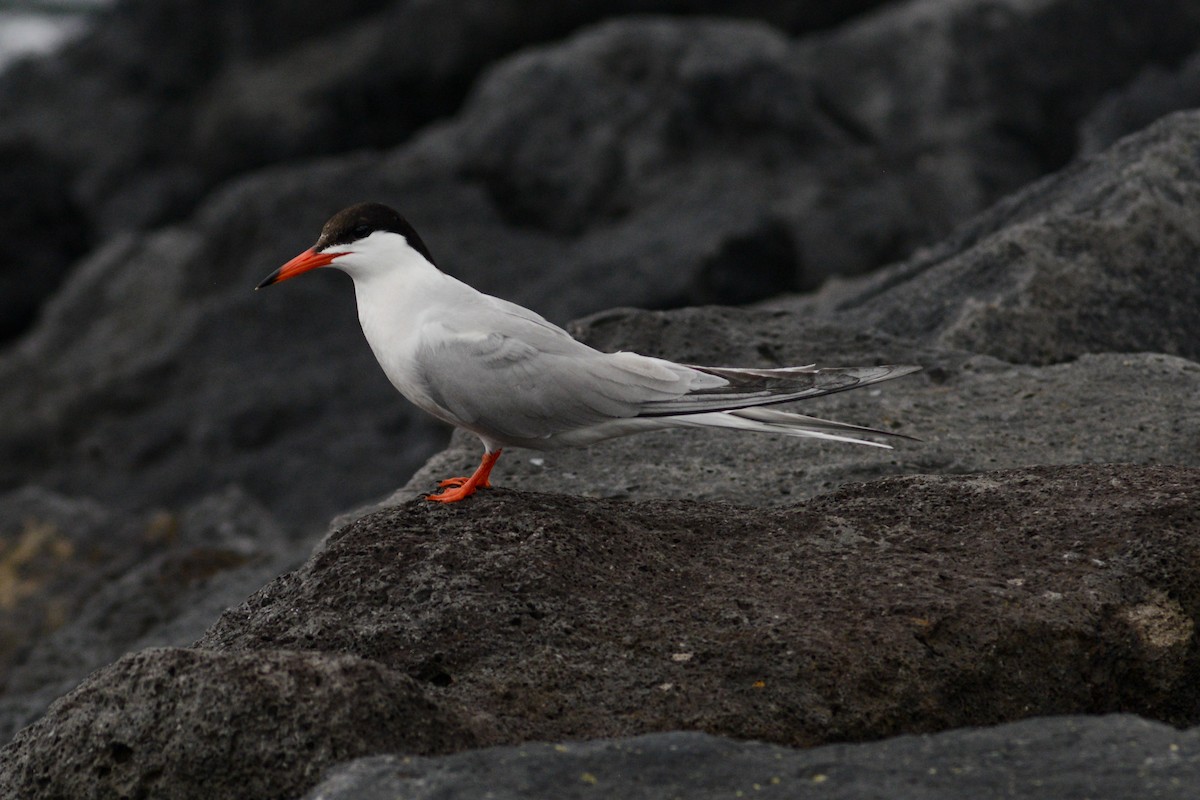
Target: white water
{"type": "Point", "coordinates": [37, 27]}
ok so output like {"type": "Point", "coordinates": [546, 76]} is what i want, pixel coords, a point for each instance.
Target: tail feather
{"type": "Point", "coordinates": [765, 420]}
{"type": "Point", "coordinates": [802, 422]}
{"type": "Point", "coordinates": [747, 388]}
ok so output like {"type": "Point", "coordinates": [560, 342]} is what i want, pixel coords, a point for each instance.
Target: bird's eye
{"type": "Point", "coordinates": [362, 231]}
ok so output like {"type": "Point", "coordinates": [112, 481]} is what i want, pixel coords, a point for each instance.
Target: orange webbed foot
{"type": "Point", "coordinates": [461, 488]}
{"type": "Point", "coordinates": [454, 483]}
{"type": "Point", "coordinates": [453, 495]}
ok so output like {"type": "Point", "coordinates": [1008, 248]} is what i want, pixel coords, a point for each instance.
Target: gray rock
{"type": "Point", "coordinates": [179, 724]}
{"type": "Point", "coordinates": [1117, 757]}
{"type": "Point", "coordinates": [236, 85]}
{"type": "Point", "coordinates": [903, 605]}
{"type": "Point", "coordinates": [167, 380]}
{"type": "Point", "coordinates": [81, 585]}
{"type": "Point", "coordinates": [1096, 258]}
{"type": "Point", "coordinates": [42, 233]}
{"type": "Point", "coordinates": [1154, 93]}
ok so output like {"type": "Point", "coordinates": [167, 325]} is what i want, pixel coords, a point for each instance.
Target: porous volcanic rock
{"type": "Point", "coordinates": [82, 584]}
{"type": "Point", "coordinates": [183, 724]}
{"type": "Point", "coordinates": [902, 605]}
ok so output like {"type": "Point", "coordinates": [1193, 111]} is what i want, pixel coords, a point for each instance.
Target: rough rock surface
{"type": "Point", "coordinates": [1115, 757]}
{"type": "Point", "coordinates": [902, 605]}
{"type": "Point", "coordinates": [1098, 257]}
{"type": "Point", "coordinates": [80, 584]}
{"type": "Point", "coordinates": [194, 724]}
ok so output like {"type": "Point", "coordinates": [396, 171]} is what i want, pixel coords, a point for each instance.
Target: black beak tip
{"type": "Point", "coordinates": [267, 281]}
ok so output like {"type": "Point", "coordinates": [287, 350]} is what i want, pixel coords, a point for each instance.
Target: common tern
{"type": "Point", "coordinates": [512, 378]}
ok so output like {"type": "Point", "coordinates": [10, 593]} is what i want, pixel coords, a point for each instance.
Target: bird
{"type": "Point", "coordinates": [514, 379]}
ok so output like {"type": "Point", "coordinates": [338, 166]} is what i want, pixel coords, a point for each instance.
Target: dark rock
{"type": "Point", "coordinates": [978, 99]}
{"type": "Point", "coordinates": [119, 103]}
{"type": "Point", "coordinates": [1097, 258]}
{"type": "Point", "coordinates": [42, 232]}
{"type": "Point", "coordinates": [1153, 94]}
{"type": "Point", "coordinates": [904, 605]}
{"type": "Point", "coordinates": [81, 585]}
{"type": "Point", "coordinates": [1116, 757]}
{"type": "Point", "coordinates": [375, 80]}
{"type": "Point", "coordinates": [46, 568]}
{"type": "Point", "coordinates": [156, 105]}
{"type": "Point", "coordinates": [863, 143]}
{"type": "Point", "coordinates": [182, 724]}
{"type": "Point", "coordinates": [180, 369]}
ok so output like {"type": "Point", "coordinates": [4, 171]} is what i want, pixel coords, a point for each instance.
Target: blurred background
{"type": "Point", "coordinates": [160, 422]}
{"type": "Point", "coordinates": [159, 158]}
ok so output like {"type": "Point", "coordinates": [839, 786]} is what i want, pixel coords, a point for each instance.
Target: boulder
{"type": "Point", "coordinates": [182, 724]}
{"type": "Point", "coordinates": [1096, 258]}
{"type": "Point", "coordinates": [81, 584]}
{"type": "Point", "coordinates": [903, 605]}
{"type": "Point", "coordinates": [1119, 757]}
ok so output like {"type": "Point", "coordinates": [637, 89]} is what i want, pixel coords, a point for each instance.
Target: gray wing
{"type": "Point", "coordinates": [528, 379]}
{"type": "Point", "coordinates": [743, 388]}
{"type": "Point", "coordinates": [532, 380]}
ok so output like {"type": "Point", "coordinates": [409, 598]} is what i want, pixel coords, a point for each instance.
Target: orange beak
{"type": "Point", "coordinates": [310, 259]}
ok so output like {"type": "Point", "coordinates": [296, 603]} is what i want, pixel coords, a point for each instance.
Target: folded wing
{"type": "Point", "coordinates": [542, 383]}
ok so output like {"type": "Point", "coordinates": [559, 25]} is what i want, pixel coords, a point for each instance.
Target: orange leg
{"type": "Point", "coordinates": [461, 488]}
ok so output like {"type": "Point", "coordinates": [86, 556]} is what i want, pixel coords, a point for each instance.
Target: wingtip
{"type": "Point", "coordinates": [899, 370]}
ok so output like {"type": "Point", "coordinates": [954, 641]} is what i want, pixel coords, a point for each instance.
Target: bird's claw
{"type": "Point", "coordinates": [461, 488]}
{"type": "Point", "coordinates": [453, 495]}
{"type": "Point", "coordinates": [454, 483]}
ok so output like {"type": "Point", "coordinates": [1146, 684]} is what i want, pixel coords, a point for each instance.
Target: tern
{"type": "Point", "coordinates": [512, 378]}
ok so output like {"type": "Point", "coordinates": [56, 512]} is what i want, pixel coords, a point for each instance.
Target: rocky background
{"type": "Point", "coordinates": [218, 578]}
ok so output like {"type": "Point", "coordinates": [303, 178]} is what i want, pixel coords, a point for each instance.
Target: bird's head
{"type": "Point", "coordinates": [359, 240]}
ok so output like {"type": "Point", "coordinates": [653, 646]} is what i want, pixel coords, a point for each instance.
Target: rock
{"type": "Point", "coordinates": [904, 605]}
{"type": "Point", "coordinates": [1154, 93]}
{"type": "Point", "coordinates": [377, 79]}
{"type": "Point", "coordinates": [81, 584]}
{"type": "Point", "coordinates": [181, 724]}
{"type": "Point", "coordinates": [42, 232]}
{"type": "Point", "coordinates": [169, 381]}
{"type": "Point", "coordinates": [119, 104]}
{"type": "Point", "coordinates": [863, 151]}
{"type": "Point", "coordinates": [971, 413]}
{"type": "Point", "coordinates": [626, 135]}
{"type": "Point", "coordinates": [1119, 757]}
{"type": "Point", "coordinates": [1097, 258]}
{"type": "Point", "coordinates": [237, 85]}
